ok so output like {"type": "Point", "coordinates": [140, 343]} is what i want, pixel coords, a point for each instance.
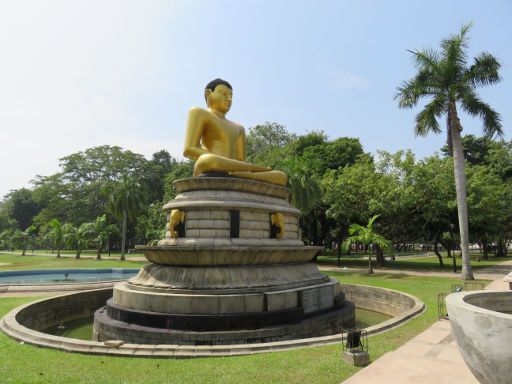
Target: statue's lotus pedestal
{"type": "Point", "coordinates": [227, 279]}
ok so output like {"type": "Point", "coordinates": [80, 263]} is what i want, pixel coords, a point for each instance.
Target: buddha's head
{"type": "Point", "coordinates": [218, 94]}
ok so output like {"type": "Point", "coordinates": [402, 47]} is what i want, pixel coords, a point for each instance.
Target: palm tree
{"type": "Point", "coordinates": [19, 240]}
{"type": "Point", "coordinates": [446, 78]}
{"type": "Point", "coordinates": [5, 239]}
{"type": "Point", "coordinates": [56, 234]}
{"type": "Point", "coordinates": [75, 237]}
{"type": "Point", "coordinates": [366, 236]}
{"type": "Point", "coordinates": [125, 200]}
{"type": "Point", "coordinates": [98, 232]}
{"type": "Point", "coordinates": [304, 187]}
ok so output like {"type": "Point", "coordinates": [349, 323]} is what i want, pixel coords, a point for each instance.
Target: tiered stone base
{"type": "Point", "coordinates": [328, 323]}
{"type": "Point", "coordinates": [227, 279]}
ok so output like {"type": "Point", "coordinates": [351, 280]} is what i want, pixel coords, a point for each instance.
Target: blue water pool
{"type": "Point", "coordinates": [65, 276]}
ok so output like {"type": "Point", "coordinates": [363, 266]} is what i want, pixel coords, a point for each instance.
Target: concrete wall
{"type": "Point", "coordinates": [49, 312]}
{"type": "Point", "coordinates": [382, 300]}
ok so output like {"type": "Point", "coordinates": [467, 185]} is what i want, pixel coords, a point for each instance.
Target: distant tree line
{"type": "Point", "coordinates": [108, 198]}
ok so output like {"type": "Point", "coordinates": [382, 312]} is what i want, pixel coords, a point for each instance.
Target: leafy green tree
{"type": "Point", "coordinates": [154, 179]}
{"type": "Point", "coordinates": [151, 225]}
{"type": "Point", "coordinates": [348, 201]}
{"type": "Point", "coordinates": [265, 143]}
{"type": "Point", "coordinates": [6, 222]}
{"type": "Point", "coordinates": [445, 77]}
{"type": "Point", "coordinates": [334, 154]}
{"type": "Point", "coordinates": [433, 191]}
{"type": "Point", "coordinates": [180, 170]}
{"type": "Point", "coordinates": [126, 199]}
{"type": "Point", "coordinates": [303, 142]}
{"type": "Point", "coordinates": [99, 232]}
{"type": "Point", "coordinates": [490, 205]}
{"type": "Point", "coordinates": [476, 149]}
{"type": "Point", "coordinates": [6, 239]}
{"type": "Point", "coordinates": [77, 193]}
{"type": "Point", "coordinates": [367, 236]}
{"type": "Point", "coordinates": [305, 160]}
{"type": "Point", "coordinates": [20, 206]}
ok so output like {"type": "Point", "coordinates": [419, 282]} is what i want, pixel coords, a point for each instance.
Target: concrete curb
{"type": "Point", "coordinates": [10, 325]}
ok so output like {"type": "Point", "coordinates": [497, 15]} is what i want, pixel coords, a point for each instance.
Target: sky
{"type": "Point", "coordinates": [79, 74]}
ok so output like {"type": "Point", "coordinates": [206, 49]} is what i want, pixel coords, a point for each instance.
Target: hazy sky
{"type": "Point", "coordinates": [77, 74]}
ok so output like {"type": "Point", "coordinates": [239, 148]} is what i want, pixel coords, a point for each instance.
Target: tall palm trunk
{"type": "Point", "coordinates": [123, 236]}
{"type": "Point", "coordinates": [455, 128]}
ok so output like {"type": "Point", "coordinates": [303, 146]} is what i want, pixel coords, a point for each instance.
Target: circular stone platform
{"type": "Point", "coordinates": [25, 322]}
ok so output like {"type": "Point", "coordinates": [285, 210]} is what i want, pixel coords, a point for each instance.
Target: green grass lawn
{"type": "Point", "coordinates": [416, 263]}
{"type": "Point", "coordinates": [15, 261]}
{"type": "Point", "coordinates": [28, 364]}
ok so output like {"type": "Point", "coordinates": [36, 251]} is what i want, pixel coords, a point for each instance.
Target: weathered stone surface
{"type": "Point", "coordinates": [230, 301]}
{"type": "Point", "coordinates": [482, 325]}
{"type": "Point", "coordinates": [356, 357]}
{"type": "Point", "coordinates": [321, 325]}
{"type": "Point", "coordinates": [230, 183]}
{"type": "Point", "coordinates": [378, 299]}
{"type": "Point", "coordinates": [317, 298]}
{"type": "Point", "coordinates": [218, 251]}
{"type": "Point", "coordinates": [260, 278]}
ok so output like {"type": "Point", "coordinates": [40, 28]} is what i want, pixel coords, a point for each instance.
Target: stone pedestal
{"type": "Point", "coordinates": [356, 357]}
{"type": "Point", "coordinates": [227, 278]}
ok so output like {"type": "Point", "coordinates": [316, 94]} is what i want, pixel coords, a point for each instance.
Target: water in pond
{"type": "Point", "coordinates": [75, 329]}
{"type": "Point", "coordinates": [366, 318]}
{"type": "Point", "coordinates": [82, 328]}
{"type": "Point", "coordinates": [65, 276]}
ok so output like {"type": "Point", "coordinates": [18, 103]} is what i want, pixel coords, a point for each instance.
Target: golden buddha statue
{"type": "Point", "coordinates": [218, 144]}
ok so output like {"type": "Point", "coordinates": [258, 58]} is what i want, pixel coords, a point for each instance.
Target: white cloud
{"type": "Point", "coordinates": [340, 78]}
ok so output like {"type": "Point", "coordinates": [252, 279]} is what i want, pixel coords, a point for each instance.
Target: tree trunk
{"type": "Point", "coordinates": [379, 254]}
{"type": "Point", "coordinates": [460, 187]}
{"type": "Point", "coordinates": [58, 251]}
{"type": "Point", "coordinates": [485, 248]}
{"type": "Point", "coordinates": [77, 253]}
{"type": "Point", "coordinates": [370, 267]}
{"type": "Point", "coordinates": [98, 254]}
{"type": "Point", "coordinates": [501, 250]}
{"type": "Point", "coordinates": [436, 251]}
{"type": "Point", "coordinates": [123, 236]}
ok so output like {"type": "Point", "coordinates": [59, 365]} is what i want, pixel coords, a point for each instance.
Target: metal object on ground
{"type": "Point", "coordinates": [442, 312]}
{"type": "Point", "coordinates": [355, 347]}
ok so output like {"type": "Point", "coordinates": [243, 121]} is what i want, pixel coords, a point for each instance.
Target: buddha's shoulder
{"type": "Point", "coordinates": [198, 111]}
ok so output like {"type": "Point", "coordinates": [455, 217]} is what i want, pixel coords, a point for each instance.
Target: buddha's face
{"type": "Point", "coordinates": [220, 98]}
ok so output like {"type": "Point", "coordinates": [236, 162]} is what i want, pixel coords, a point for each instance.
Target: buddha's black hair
{"type": "Point", "coordinates": [214, 83]}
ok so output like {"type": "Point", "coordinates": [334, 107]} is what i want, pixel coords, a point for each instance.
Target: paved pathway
{"type": "Point", "coordinates": [432, 356]}
{"type": "Point", "coordinates": [494, 272]}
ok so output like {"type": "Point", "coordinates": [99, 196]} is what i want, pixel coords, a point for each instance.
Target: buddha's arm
{"type": "Point", "coordinates": [195, 127]}
{"type": "Point", "coordinates": [240, 145]}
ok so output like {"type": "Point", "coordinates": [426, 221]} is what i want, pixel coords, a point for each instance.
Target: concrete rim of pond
{"type": "Point", "coordinates": [54, 287]}
{"type": "Point", "coordinates": [9, 324]}
{"type": "Point", "coordinates": [481, 322]}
